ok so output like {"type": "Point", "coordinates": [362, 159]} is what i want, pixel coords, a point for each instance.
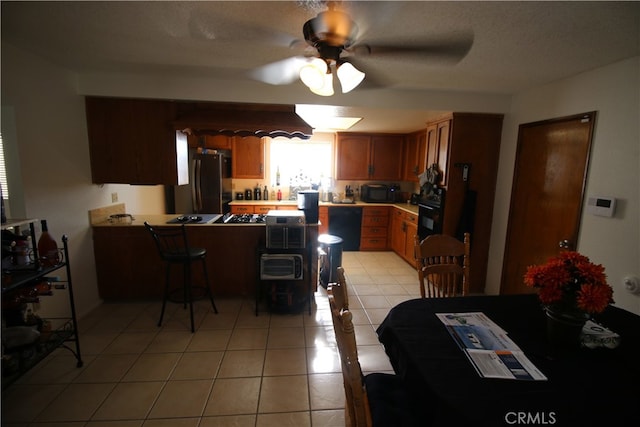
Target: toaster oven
{"type": "Point", "coordinates": [281, 267]}
{"type": "Point", "coordinates": [285, 229]}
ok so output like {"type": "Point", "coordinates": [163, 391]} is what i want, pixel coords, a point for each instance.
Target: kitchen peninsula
{"type": "Point", "coordinates": [128, 266]}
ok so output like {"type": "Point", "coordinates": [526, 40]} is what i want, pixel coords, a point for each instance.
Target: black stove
{"type": "Point", "coordinates": [195, 219]}
{"type": "Point", "coordinates": [244, 218]}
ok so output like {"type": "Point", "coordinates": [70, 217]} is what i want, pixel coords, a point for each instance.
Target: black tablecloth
{"type": "Point", "coordinates": [591, 387]}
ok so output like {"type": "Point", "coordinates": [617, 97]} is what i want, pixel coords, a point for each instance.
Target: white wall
{"type": "Point", "coordinates": [49, 139]}
{"type": "Point", "coordinates": [614, 92]}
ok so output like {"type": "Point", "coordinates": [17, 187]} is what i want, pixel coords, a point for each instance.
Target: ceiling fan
{"type": "Point", "coordinates": [332, 48]}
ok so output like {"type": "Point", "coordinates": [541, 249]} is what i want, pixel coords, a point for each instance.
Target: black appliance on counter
{"type": "Point", "coordinates": [285, 229]}
{"type": "Point", "coordinates": [308, 203]}
{"type": "Point", "coordinates": [378, 193]}
{"type": "Point", "coordinates": [209, 188]}
{"type": "Point", "coordinates": [431, 213]}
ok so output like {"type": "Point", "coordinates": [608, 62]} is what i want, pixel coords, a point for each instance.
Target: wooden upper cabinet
{"type": "Point", "coordinates": [132, 141]}
{"type": "Point", "coordinates": [247, 158]}
{"type": "Point", "coordinates": [415, 146]}
{"type": "Point", "coordinates": [369, 156]}
{"type": "Point", "coordinates": [352, 156]}
{"type": "Point", "coordinates": [437, 147]}
{"type": "Point", "coordinates": [386, 157]}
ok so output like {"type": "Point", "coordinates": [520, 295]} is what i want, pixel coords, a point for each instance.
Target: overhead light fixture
{"type": "Point", "coordinates": [318, 77]}
{"type": "Point", "coordinates": [313, 74]}
{"type": "Point", "coordinates": [350, 77]}
{"type": "Point", "coordinates": [327, 86]}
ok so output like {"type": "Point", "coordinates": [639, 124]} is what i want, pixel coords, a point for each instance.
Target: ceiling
{"type": "Point", "coordinates": [516, 45]}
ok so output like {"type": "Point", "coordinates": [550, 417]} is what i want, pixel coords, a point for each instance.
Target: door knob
{"type": "Point", "coordinates": [564, 244]}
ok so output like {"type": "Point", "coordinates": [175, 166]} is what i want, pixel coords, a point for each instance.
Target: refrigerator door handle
{"type": "Point", "coordinates": [196, 188]}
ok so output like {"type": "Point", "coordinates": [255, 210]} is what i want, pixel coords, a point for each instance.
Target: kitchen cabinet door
{"type": "Point", "coordinates": [132, 141]}
{"type": "Point", "coordinates": [443, 131]}
{"type": "Point", "coordinates": [411, 229]}
{"type": "Point", "coordinates": [437, 147]}
{"type": "Point", "coordinates": [386, 157]}
{"type": "Point", "coordinates": [397, 231]}
{"type": "Point", "coordinates": [369, 156]}
{"type": "Point", "coordinates": [404, 227]}
{"type": "Point", "coordinates": [247, 157]}
{"type": "Point", "coordinates": [323, 220]}
{"type": "Point", "coordinates": [415, 161]}
{"type": "Point", "coordinates": [353, 154]}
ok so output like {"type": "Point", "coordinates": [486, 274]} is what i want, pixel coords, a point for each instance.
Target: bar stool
{"type": "Point", "coordinates": [174, 248]}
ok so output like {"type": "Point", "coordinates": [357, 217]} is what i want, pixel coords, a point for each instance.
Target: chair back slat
{"type": "Point", "coordinates": [357, 408]}
{"type": "Point", "coordinates": [170, 240]}
{"type": "Point", "coordinates": [443, 265]}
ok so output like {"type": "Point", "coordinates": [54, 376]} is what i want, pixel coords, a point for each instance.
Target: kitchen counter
{"type": "Point", "coordinates": [404, 206]}
{"type": "Point", "coordinates": [102, 219]}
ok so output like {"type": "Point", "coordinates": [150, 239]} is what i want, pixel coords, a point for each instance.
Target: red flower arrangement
{"type": "Point", "coordinates": [571, 282]}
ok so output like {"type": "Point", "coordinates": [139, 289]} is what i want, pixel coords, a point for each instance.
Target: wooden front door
{"type": "Point", "coordinates": [547, 193]}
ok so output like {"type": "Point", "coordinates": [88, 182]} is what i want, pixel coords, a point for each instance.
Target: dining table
{"type": "Point", "coordinates": [585, 387]}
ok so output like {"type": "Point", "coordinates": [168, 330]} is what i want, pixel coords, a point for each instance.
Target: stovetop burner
{"type": "Point", "coordinates": [244, 218]}
{"type": "Point", "coordinates": [195, 219]}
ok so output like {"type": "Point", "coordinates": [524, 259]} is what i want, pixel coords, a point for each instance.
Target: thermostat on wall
{"type": "Point", "coordinates": [601, 206]}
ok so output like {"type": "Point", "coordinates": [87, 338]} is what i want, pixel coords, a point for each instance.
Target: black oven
{"type": "Point", "coordinates": [430, 213]}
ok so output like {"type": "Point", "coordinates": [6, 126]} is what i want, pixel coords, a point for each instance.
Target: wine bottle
{"type": "Point", "coordinates": [47, 247]}
{"type": "Point", "coordinates": [265, 193]}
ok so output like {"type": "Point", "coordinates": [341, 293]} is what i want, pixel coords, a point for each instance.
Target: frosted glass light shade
{"type": "Point", "coordinates": [327, 88]}
{"type": "Point", "coordinates": [350, 77]}
{"type": "Point", "coordinates": [313, 74]}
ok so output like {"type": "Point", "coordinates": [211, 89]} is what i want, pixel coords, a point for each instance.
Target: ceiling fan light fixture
{"type": "Point", "coordinates": [313, 74]}
{"type": "Point", "coordinates": [350, 77]}
{"type": "Point", "coordinates": [327, 88]}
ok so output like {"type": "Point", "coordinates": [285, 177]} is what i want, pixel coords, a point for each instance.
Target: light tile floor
{"type": "Point", "coordinates": [235, 370]}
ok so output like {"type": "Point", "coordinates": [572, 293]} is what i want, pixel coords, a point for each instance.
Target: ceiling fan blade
{"type": "Point", "coordinates": [443, 49]}
{"type": "Point", "coordinates": [372, 79]}
{"type": "Point", "coordinates": [281, 72]}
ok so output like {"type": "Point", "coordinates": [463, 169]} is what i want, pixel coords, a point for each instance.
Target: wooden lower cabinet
{"type": "Point", "coordinates": [374, 229]}
{"type": "Point", "coordinates": [323, 220]}
{"type": "Point", "coordinates": [263, 209]}
{"type": "Point", "coordinates": [129, 267]}
{"type": "Point", "coordinates": [404, 227]}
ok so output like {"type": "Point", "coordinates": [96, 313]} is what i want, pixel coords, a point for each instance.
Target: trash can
{"type": "Point", "coordinates": [330, 258]}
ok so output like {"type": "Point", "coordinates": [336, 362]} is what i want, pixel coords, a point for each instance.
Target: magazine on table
{"type": "Point", "coordinates": [488, 347]}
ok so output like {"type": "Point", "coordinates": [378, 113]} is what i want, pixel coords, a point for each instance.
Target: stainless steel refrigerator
{"type": "Point", "coordinates": [209, 188]}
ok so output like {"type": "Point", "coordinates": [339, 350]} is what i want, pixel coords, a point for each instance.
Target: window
{"type": "Point", "coordinates": [3, 172]}
{"type": "Point", "coordinates": [301, 163]}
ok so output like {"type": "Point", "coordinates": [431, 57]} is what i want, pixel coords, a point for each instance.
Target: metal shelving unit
{"type": "Point", "coordinates": [64, 331]}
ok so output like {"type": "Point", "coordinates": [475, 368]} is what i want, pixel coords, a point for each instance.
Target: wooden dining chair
{"type": "Point", "coordinates": [443, 265]}
{"type": "Point", "coordinates": [375, 399]}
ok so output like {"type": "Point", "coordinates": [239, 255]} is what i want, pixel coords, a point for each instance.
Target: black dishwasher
{"type": "Point", "coordinates": [345, 222]}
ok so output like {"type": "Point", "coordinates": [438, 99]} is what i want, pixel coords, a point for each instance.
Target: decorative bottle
{"type": "Point", "coordinates": [279, 195]}
{"type": "Point", "coordinates": [257, 192]}
{"type": "Point", "coordinates": [278, 175]}
{"type": "Point", "coordinates": [47, 247]}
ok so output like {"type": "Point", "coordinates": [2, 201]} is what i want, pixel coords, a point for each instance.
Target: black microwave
{"type": "Point", "coordinates": [377, 193]}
